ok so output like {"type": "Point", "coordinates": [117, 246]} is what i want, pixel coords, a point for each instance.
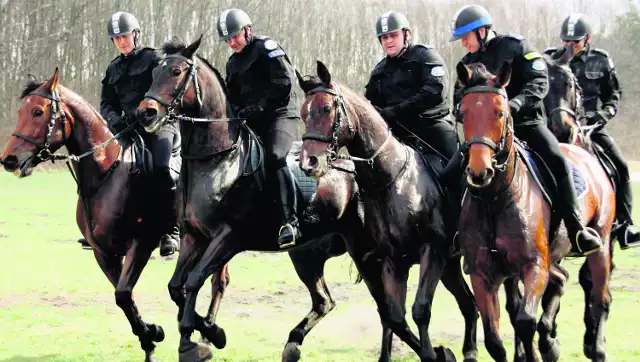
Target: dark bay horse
{"type": "Point", "coordinates": [223, 206]}
{"type": "Point", "coordinates": [108, 212]}
{"type": "Point", "coordinates": [405, 212]}
{"type": "Point", "coordinates": [507, 229]}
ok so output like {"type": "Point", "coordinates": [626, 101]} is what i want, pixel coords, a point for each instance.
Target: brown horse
{"type": "Point", "coordinates": [507, 229]}
{"type": "Point", "coordinates": [405, 211]}
{"type": "Point", "coordinates": [108, 212]}
{"type": "Point", "coordinates": [222, 203]}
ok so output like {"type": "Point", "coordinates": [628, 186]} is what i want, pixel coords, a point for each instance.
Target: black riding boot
{"type": "Point", "coordinates": [627, 237]}
{"type": "Point", "coordinates": [286, 200]}
{"type": "Point", "coordinates": [584, 240]}
{"type": "Point", "coordinates": [84, 243]}
{"type": "Point", "coordinates": [167, 218]}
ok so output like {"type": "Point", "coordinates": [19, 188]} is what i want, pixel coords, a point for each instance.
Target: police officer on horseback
{"type": "Point", "coordinates": [127, 79]}
{"type": "Point", "coordinates": [597, 77]}
{"type": "Point", "coordinates": [528, 85]}
{"type": "Point", "coordinates": [409, 87]}
{"type": "Point", "coordinates": [261, 82]}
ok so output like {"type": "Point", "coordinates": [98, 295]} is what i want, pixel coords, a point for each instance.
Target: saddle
{"type": "Point", "coordinates": [142, 158]}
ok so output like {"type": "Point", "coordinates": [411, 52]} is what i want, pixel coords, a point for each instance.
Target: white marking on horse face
{"type": "Point", "coordinates": [479, 104]}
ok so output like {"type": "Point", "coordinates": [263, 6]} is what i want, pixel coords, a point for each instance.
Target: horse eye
{"type": "Point", "coordinates": [37, 112]}
{"type": "Point", "coordinates": [177, 71]}
{"type": "Point", "coordinates": [500, 115]}
{"type": "Point", "coordinates": [326, 109]}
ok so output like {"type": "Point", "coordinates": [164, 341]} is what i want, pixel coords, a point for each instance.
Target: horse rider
{"type": "Point", "coordinates": [261, 83]}
{"type": "Point", "coordinates": [127, 79]}
{"type": "Point", "coordinates": [528, 85]}
{"type": "Point", "coordinates": [597, 77]}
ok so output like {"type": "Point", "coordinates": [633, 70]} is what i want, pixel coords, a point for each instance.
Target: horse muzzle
{"type": "Point", "coordinates": [314, 166]}
{"type": "Point", "coordinates": [480, 179]}
{"type": "Point", "coordinates": [19, 168]}
{"type": "Point", "coordinates": [149, 115]}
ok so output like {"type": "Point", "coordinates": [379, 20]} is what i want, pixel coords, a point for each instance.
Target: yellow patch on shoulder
{"type": "Point", "coordinates": [532, 55]}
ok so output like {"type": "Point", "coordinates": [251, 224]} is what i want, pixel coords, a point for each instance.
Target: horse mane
{"type": "Point", "coordinates": [32, 85]}
{"type": "Point", "coordinates": [479, 75]}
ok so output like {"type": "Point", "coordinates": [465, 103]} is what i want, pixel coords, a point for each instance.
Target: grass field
{"type": "Point", "coordinates": [56, 305]}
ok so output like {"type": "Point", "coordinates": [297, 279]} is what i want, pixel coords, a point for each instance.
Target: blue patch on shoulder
{"type": "Point", "coordinates": [276, 53]}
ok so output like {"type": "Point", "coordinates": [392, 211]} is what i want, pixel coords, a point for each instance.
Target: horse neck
{"type": "Point", "coordinates": [89, 130]}
{"type": "Point", "coordinates": [370, 135]}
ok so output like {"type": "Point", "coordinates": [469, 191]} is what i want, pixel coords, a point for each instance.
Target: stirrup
{"type": "Point", "coordinates": [627, 244]}
{"type": "Point", "coordinates": [293, 234]}
{"type": "Point", "coordinates": [577, 244]}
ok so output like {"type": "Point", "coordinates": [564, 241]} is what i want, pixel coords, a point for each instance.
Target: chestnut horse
{"type": "Point", "coordinates": [110, 191]}
{"type": "Point", "coordinates": [508, 230]}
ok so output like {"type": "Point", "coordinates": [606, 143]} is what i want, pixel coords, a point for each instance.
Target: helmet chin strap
{"type": "Point", "coordinates": [248, 37]}
{"type": "Point", "coordinates": [482, 40]}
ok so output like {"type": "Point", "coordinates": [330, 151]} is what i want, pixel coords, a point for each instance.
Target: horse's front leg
{"type": "Point", "coordinates": [431, 267]}
{"type": "Point", "coordinates": [535, 276]}
{"type": "Point", "coordinates": [513, 298]}
{"type": "Point", "coordinates": [486, 292]}
{"type": "Point", "coordinates": [218, 253]}
{"type": "Point", "coordinates": [136, 258]}
{"type": "Point", "coordinates": [547, 344]}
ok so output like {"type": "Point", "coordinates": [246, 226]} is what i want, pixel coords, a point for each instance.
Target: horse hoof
{"type": "Point", "coordinates": [587, 349]}
{"type": "Point", "coordinates": [198, 353]}
{"type": "Point", "coordinates": [553, 354]}
{"type": "Point", "coordinates": [215, 335]}
{"type": "Point", "coordinates": [444, 354]}
{"type": "Point", "coordinates": [151, 357]}
{"type": "Point", "coordinates": [156, 333]}
{"type": "Point", "coordinates": [291, 353]}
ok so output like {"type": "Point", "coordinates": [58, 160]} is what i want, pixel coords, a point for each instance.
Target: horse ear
{"type": "Point", "coordinates": [300, 79]}
{"type": "Point", "coordinates": [52, 83]}
{"type": "Point", "coordinates": [504, 74]}
{"type": "Point", "coordinates": [191, 49]}
{"type": "Point", "coordinates": [464, 73]}
{"type": "Point", "coordinates": [31, 78]}
{"type": "Point", "coordinates": [565, 56]}
{"type": "Point", "coordinates": [323, 73]}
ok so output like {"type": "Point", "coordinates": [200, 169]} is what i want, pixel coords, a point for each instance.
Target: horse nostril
{"type": "Point", "coordinates": [488, 174]}
{"type": "Point", "coordinates": [150, 113]}
{"type": "Point", "coordinates": [10, 163]}
{"type": "Point", "coordinates": [469, 171]}
{"type": "Point", "coordinates": [313, 162]}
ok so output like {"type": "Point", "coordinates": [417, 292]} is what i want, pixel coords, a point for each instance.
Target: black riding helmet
{"type": "Point", "coordinates": [390, 22]}
{"type": "Point", "coordinates": [231, 22]}
{"type": "Point", "coordinates": [471, 18]}
{"type": "Point", "coordinates": [575, 27]}
{"type": "Point", "coordinates": [122, 23]}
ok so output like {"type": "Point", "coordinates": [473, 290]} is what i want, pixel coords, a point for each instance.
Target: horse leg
{"type": "Point", "coordinates": [136, 258]}
{"type": "Point", "coordinates": [386, 344]}
{"type": "Point", "coordinates": [584, 278]}
{"type": "Point", "coordinates": [431, 268]}
{"type": "Point", "coordinates": [489, 307]}
{"type": "Point", "coordinates": [218, 253]}
{"type": "Point", "coordinates": [599, 267]}
{"type": "Point", "coordinates": [190, 253]}
{"type": "Point", "coordinates": [309, 265]}
{"type": "Point", "coordinates": [513, 301]}
{"type": "Point", "coordinates": [388, 286]}
{"type": "Point", "coordinates": [535, 279]}
{"type": "Point", "coordinates": [547, 344]}
{"type": "Point", "coordinates": [208, 329]}
{"type": "Point", "coordinates": [454, 281]}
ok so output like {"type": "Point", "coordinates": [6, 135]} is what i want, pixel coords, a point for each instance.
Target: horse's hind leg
{"type": "Point", "coordinates": [547, 344]}
{"type": "Point", "coordinates": [190, 254]}
{"type": "Point", "coordinates": [489, 307]}
{"type": "Point", "coordinates": [600, 301]}
{"type": "Point", "coordinates": [454, 281]}
{"type": "Point", "coordinates": [209, 330]}
{"type": "Point", "coordinates": [387, 343]}
{"type": "Point", "coordinates": [309, 265]}
{"type": "Point", "coordinates": [513, 302]}
{"type": "Point", "coordinates": [135, 261]}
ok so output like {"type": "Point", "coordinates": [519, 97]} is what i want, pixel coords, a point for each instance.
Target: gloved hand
{"type": "Point", "coordinates": [514, 106]}
{"type": "Point", "coordinates": [117, 124]}
{"type": "Point", "coordinates": [601, 117]}
{"type": "Point", "coordinates": [388, 114]}
{"type": "Point", "coordinates": [250, 111]}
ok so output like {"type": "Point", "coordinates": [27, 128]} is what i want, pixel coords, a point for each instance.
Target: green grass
{"type": "Point", "coordinates": [56, 305]}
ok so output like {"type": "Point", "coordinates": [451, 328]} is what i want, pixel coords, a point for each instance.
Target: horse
{"type": "Point", "coordinates": [224, 210]}
{"type": "Point", "coordinates": [563, 102]}
{"type": "Point", "coordinates": [405, 210]}
{"type": "Point", "coordinates": [110, 190]}
{"type": "Point", "coordinates": [508, 230]}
